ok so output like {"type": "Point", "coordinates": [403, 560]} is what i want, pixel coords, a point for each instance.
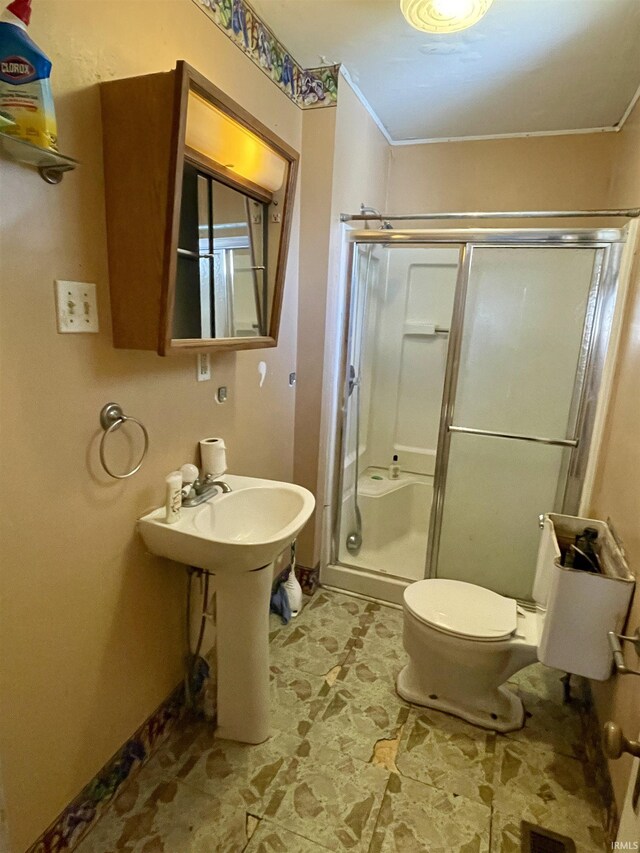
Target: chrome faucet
{"type": "Point", "coordinates": [225, 488]}
{"type": "Point", "coordinates": [204, 488]}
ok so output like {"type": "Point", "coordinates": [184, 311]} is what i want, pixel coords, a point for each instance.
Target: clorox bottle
{"type": "Point", "coordinates": [25, 92]}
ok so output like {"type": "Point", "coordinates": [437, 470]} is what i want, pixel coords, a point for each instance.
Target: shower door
{"type": "Point", "coordinates": [512, 424]}
{"type": "Point", "coordinates": [400, 312]}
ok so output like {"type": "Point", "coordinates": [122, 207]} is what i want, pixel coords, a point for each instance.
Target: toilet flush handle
{"type": "Point", "coordinates": [615, 743]}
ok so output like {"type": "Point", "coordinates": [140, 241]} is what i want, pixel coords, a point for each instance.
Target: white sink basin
{"type": "Point", "coordinates": [235, 532]}
{"type": "Point", "coordinates": [237, 536]}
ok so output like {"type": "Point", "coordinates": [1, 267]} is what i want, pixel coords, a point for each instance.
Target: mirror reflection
{"type": "Point", "coordinates": [222, 278]}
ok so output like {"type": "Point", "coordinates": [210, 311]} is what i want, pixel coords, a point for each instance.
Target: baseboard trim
{"type": "Point", "coordinates": [73, 823]}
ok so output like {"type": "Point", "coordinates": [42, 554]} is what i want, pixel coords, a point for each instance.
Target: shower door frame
{"type": "Point", "coordinates": [602, 300]}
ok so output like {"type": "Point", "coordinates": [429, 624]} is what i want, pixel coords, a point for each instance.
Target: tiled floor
{"type": "Point", "coordinates": [351, 767]}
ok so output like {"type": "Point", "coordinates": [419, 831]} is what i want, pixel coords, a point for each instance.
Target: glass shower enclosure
{"type": "Point", "coordinates": [475, 357]}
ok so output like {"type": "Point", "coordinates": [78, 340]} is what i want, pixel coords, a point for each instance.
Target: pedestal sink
{"type": "Point", "coordinates": [236, 537]}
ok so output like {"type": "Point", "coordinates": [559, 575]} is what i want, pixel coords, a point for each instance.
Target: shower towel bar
{"type": "Point", "coordinates": [556, 442]}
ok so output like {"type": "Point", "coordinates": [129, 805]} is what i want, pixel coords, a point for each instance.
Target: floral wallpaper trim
{"type": "Point", "coordinates": [74, 822]}
{"type": "Point", "coordinates": [307, 87]}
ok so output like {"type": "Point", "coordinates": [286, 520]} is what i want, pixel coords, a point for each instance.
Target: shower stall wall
{"type": "Point", "coordinates": [476, 358]}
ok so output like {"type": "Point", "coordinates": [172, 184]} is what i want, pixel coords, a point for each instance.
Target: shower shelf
{"type": "Point", "coordinates": [375, 488]}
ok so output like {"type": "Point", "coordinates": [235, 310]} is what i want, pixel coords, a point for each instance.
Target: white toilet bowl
{"type": "Point", "coordinates": [464, 642]}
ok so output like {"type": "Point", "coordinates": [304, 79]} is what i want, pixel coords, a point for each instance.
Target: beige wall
{"type": "Point", "coordinates": [536, 173]}
{"type": "Point", "coordinates": [617, 489]}
{"type": "Point", "coordinates": [357, 171]}
{"type": "Point", "coordinates": [318, 143]}
{"type": "Point", "coordinates": [91, 632]}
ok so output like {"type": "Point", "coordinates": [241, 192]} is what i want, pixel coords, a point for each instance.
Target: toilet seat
{"type": "Point", "coordinates": [462, 609]}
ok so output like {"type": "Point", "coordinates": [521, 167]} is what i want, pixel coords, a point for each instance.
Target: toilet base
{"type": "Point", "coordinates": [501, 711]}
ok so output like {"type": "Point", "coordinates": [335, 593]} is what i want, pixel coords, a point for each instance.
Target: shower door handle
{"type": "Point", "coordinates": [555, 442]}
{"type": "Point", "coordinates": [353, 381]}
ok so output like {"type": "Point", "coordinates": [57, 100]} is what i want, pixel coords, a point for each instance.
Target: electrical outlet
{"type": "Point", "coordinates": [276, 218]}
{"type": "Point", "coordinates": [76, 306]}
{"type": "Point", "coordinates": [203, 366]}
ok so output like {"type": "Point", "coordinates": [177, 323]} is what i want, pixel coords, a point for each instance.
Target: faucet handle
{"type": "Point", "coordinates": [189, 473]}
{"type": "Point", "coordinates": [199, 485]}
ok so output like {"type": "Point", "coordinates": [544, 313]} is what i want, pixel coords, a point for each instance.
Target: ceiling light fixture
{"type": "Point", "coordinates": [444, 16]}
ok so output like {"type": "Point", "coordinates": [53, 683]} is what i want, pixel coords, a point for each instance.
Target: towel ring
{"type": "Point", "coordinates": [111, 419]}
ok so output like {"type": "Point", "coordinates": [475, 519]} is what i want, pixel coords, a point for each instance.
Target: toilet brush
{"type": "Point", "coordinates": [292, 587]}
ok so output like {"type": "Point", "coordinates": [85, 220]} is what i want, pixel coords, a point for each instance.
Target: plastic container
{"type": "Point", "coordinates": [173, 497]}
{"type": "Point", "coordinates": [25, 90]}
{"type": "Point", "coordinates": [292, 586]}
{"type": "Point", "coordinates": [394, 468]}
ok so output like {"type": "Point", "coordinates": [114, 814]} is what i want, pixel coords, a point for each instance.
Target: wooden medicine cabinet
{"type": "Point", "coordinates": [199, 198]}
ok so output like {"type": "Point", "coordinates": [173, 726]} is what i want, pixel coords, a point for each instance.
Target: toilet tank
{"type": "Point", "coordinates": [581, 607]}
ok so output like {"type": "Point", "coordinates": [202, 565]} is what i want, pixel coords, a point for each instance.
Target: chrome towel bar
{"type": "Point", "coordinates": [556, 442]}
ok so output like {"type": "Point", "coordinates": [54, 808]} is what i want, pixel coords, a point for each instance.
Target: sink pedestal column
{"type": "Point", "coordinates": [242, 651]}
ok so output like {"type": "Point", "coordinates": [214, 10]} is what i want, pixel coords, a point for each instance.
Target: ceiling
{"type": "Point", "coordinates": [529, 66]}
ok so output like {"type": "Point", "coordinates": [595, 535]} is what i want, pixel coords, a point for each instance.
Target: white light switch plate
{"type": "Point", "coordinates": [203, 366]}
{"type": "Point", "coordinates": [76, 306]}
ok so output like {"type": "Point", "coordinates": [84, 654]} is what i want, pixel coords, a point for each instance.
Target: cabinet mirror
{"type": "Point", "coordinates": [222, 287]}
{"type": "Point", "coordinates": [210, 192]}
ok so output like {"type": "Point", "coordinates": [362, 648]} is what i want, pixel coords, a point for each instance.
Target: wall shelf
{"type": "Point", "coordinates": [50, 165]}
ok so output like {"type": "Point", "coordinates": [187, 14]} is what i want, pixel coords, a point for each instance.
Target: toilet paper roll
{"type": "Point", "coordinates": [213, 456]}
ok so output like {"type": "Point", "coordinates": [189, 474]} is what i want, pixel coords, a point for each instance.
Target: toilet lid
{"type": "Point", "coordinates": [462, 609]}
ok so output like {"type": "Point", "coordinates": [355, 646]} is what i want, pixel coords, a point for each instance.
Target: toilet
{"type": "Point", "coordinates": [464, 642]}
